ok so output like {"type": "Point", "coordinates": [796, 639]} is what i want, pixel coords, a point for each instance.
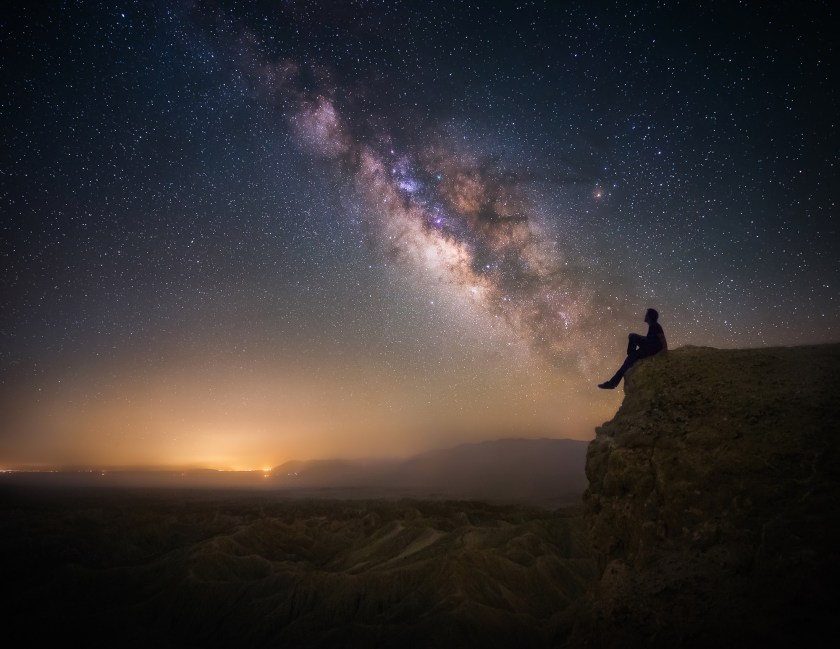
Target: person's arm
{"type": "Point", "coordinates": [661, 335]}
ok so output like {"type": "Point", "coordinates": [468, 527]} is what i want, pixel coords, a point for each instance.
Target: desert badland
{"type": "Point", "coordinates": [708, 519]}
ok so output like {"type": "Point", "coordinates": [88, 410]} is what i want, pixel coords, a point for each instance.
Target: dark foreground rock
{"type": "Point", "coordinates": [714, 502]}
{"type": "Point", "coordinates": [179, 569]}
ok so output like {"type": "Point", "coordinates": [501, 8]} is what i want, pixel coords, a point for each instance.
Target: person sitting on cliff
{"type": "Point", "coordinates": [640, 347]}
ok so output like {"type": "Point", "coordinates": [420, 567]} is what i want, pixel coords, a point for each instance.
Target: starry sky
{"type": "Point", "coordinates": [240, 233]}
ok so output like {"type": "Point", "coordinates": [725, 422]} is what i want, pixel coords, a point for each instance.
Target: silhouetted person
{"type": "Point", "coordinates": [640, 347]}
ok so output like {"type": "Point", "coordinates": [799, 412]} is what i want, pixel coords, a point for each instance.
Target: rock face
{"type": "Point", "coordinates": [714, 501]}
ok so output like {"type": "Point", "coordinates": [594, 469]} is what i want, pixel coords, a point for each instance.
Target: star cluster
{"type": "Point", "coordinates": [237, 233]}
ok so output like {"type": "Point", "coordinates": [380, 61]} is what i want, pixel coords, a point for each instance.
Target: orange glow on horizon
{"type": "Point", "coordinates": [256, 417]}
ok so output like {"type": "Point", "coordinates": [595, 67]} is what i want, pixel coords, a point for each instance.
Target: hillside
{"type": "Point", "coordinates": [712, 502]}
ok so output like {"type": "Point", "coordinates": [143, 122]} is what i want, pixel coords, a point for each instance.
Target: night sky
{"type": "Point", "coordinates": [239, 233]}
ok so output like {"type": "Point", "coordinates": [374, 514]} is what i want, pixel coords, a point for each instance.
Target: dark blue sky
{"type": "Point", "coordinates": [175, 214]}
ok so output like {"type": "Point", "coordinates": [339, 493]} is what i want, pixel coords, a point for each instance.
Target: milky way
{"type": "Point", "coordinates": [462, 219]}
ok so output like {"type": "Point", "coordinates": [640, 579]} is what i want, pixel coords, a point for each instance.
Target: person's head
{"type": "Point", "coordinates": [651, 316]}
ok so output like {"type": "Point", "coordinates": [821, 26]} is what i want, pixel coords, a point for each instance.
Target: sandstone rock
{"type": "Point", "coordinates": [713, 501]}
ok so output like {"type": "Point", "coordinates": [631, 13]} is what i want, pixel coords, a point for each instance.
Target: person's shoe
{"type": "Point", "coordinates": [606, 385]}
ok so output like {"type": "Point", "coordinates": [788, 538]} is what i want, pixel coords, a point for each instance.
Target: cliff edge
{"type": "Point", "coordinates": [714, 501]}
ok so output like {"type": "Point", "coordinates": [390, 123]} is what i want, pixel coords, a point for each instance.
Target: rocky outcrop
{"type": "Point", "coordinates": [714, 501]}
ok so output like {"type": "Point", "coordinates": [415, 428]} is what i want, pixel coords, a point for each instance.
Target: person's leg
{"type": "Point", "coordinates": [626, 365]}
{"type": "Point", "coordinates": [616, 379]}
{"type": "Point", "coordinates": [637, 347]}
{"type": "Point", "coordinates": [632, 357]}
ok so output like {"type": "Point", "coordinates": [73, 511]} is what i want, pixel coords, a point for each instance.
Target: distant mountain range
{"type": "Point", "coordinates": [505, 469]}
{"type": "Point", "coordinates": [545, 472]}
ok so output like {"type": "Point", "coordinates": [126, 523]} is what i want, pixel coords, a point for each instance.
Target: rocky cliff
{"type": "Point", "coordinates": [714, 501]}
